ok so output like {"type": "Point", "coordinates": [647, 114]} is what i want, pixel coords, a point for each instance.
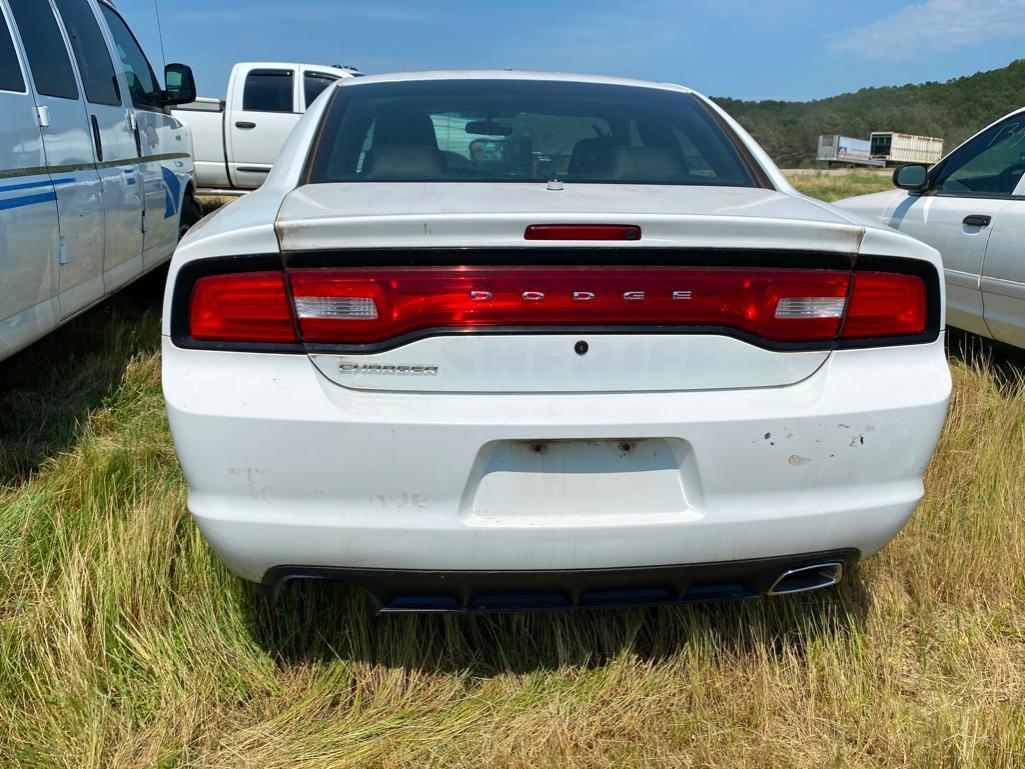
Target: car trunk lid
{"type": "Point", "coordinates": [399, 215]}
{"type": "Point", "coordinates": [463, 300]}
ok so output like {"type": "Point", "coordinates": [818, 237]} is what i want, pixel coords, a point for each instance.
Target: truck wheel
{"type": "Point", "coordinates": [192, 212]}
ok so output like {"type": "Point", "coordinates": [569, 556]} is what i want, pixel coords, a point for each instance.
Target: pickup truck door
{"type": "Point", "coordinates": [1003, 276]}
{"type": "Point", "coordinates": [968, 193]}
{"type": "Point", "coordinates": [70, 155]}
{"type": "Point", "coordinates": [263, 108]}
{"type": "Point", "coordinates": [29, 233]}
{"type": "Point", "coordinates": [160, 143]}
{"type": "Point", "coordinates": [107, 102]}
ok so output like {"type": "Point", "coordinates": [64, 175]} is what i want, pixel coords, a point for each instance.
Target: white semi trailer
{"type": "Point", "coordinates": [896, 148]}
{"type": "Point", "coordinates": [845, 150]}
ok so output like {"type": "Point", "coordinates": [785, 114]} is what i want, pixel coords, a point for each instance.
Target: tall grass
{"type": "Point", "coordinates": [831, 186]}
{"type": "Point", "coordinates": [125, 643]}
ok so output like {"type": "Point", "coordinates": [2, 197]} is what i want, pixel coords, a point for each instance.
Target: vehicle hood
{"type": "Point", "coordinates": [381, 215]}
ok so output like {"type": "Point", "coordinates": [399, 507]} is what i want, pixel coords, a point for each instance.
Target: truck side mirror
{"type": "Point", "coordinates": [181, 85]}
{"type": "Point", "coordinates": [911, 176]}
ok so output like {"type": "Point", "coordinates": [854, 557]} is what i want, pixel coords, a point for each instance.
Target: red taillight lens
{"type": "Point", "coordinates": [361, 306]}
{"type": "Point", "coordinates": [242, 307]}
{"type": "Point", "coordinates": [886, 304]}
{"type": "Point", "coordinates": [582, 232]}
{"type": "Point", "coordinates": [371, 305]}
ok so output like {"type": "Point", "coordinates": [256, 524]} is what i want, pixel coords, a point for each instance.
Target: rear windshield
{"type": "Point", "coordinates": [523, 130]}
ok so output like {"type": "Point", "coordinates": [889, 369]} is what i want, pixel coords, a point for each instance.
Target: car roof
{"type": "Point", "coordinates": [508, 74]}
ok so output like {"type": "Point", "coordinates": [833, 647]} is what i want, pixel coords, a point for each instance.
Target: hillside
{"type": "Point", "coordinates": [953, 110]}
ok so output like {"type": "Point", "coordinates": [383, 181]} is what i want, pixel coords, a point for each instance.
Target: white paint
{"type": "Point", "coordinates": [740, 453]}
{"type": "Point", "coordinates": [214, 128]}
{"type": "Point", "coordinates": [984, 267]}
{"type": "Point", "coordinates": [343, 466]}
{"type": "Point", "coordinates": [60, 257]}
{"type": "Point", "coordinates": [547, 363]}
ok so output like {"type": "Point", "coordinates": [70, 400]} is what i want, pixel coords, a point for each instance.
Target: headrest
{"type": "Point", "coordinates": [591, 159]}
{"type": "Point", "coordinates": [647, 164]}
{"type": "Point", "coordinates": [403, 126]}
{"type": "Point", "coordinates": [402, 162]}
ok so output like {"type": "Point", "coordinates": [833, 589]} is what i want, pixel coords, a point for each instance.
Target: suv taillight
{"type": "Point", "coordinates": [372, 306]}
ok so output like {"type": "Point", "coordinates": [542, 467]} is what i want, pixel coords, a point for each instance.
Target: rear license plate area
{"type": "Point", "coordinates": [522, 481]}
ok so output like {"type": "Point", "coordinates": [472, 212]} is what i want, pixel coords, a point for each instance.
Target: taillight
{"type": "Point", "coordinates": [368, 307]}
{"type": "Point", "coordinates": [365, 305]}
{"type": "Point", "coordinates": [241, 307]}
{"type": "Point", "coordinates": [886, 304]}
{"type": "Point", "coordinates": [582, 232]}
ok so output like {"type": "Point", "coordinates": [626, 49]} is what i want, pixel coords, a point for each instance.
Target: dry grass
{"type": "Point", "coordinates": [212, 202]}
{"type": "Point", "coordinates": [124, 643]}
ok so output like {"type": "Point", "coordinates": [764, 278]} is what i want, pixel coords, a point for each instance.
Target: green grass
{"type": "Point", "coordinates": [832, 186]}
{"type": "Point", "coordinates": [125, 643]}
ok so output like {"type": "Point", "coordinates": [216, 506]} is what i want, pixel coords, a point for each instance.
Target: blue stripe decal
{"type": "Point", "coordinates": [29, 200]}
{"type": "Point", "coordinates": [173, 188]}
{"type": "Point", "coordinates": [33, 185]}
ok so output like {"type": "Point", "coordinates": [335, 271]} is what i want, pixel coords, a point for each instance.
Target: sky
{"type": "Point", "coordinates": [776, 49]}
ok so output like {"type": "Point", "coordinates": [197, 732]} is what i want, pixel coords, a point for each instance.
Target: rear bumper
{"type": "Point", "coordinates": [468, 592]}
{"type": "Point", "coordinates": [291, 473]}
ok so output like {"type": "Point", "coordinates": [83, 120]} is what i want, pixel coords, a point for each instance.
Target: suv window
{"type": "Point", "coordinates": [990, 164]}
{"type": "Point", "coordinates": [142, 83]}
{"type": "Point", "coordinates": [314, 84]}
{"type": "Point", "coordinates": [10, 69]}
{"type": "Point", "coordinates": [268, 90]}
{"type": "Point", "coordinates": [47, 54]}
{"type": "Point", "coordinates": [524, 130]}
{"type": "Point", "coordinates": [94, 65]}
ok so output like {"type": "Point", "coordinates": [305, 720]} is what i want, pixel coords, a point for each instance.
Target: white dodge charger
{"type": "Point", "coordinates": [503, 341]}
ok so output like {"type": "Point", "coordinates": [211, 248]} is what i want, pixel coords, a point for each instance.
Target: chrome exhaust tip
{"type": "Point", "coordinates": [807, 578]}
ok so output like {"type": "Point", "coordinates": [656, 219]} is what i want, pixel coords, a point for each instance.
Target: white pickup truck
{"type": "Point", "coordinates": [236, 140]}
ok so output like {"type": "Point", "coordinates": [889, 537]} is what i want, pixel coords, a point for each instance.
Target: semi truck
{"type": "Point", "coordinates": [838, 150]}
{"type": "Point", "coordinates": [237, 139]}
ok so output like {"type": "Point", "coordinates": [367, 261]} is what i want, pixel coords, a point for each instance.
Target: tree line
{"type": "Point", "coordinates": [953, 110]}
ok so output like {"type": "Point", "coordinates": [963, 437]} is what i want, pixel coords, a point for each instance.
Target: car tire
{"type": "Point", "coordinates": [192, 212]}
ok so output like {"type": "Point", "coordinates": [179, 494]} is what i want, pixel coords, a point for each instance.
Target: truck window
{"type": "Point", "coordinates": [142, 83]}
{"type": "Point", "coordinates": [10, 70]}
{"type": "Point", "coordinates": [268, 90]}
{"type": "Point", "coordinates": [47, 54]}
{"type": "Point", "coordinates": [94, 65]}
{"type": "Point", "coordinates": [314, 84]}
